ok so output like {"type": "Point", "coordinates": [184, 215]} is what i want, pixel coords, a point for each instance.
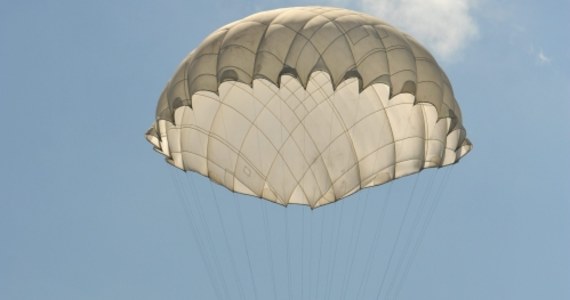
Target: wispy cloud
{"type": "Point", "coordinates": [539, 55]}
{"type": "Point", "coordinates": [444, 26]}
{"type": "Point", "coordinates": [542, 58]}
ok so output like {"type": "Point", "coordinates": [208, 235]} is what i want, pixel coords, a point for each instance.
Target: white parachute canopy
{"type": "Point", "coordinates": [308, 105]}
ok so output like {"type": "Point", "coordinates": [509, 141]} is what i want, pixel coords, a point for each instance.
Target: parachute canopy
{"type": "Point", "coordinates": [308, 105]}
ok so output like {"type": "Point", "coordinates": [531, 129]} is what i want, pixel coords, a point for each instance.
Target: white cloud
{"type": "Point", "coordinates": [444, 26]}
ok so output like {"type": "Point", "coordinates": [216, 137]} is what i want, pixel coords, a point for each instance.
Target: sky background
{"type": "Point", "coordinates": [89, 211]}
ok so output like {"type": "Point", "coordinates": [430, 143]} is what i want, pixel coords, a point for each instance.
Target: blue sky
{"type": "Point", "coordinates": [89, 211]}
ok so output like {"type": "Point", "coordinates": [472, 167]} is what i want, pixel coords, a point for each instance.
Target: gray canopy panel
{"type": "Point", "coordinates": [275, 105]}
{"type": "Point", "coordinates": [299, 41]}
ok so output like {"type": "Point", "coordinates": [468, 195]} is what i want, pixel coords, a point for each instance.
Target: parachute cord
{"type": "Point", "coordinates": [405, 257]}
{"type": "Point", "coordinates": [209, 242]}
{"type": "Point", "coordinates": [269, 248]}
{"type": "Point", "coordinates": [320, 256]}
{"type": "Point", "coordinates": [302, 258]}
{"type": "Point", "coordinates": [331, 273]}
{"type": "Point", "coordinates": [183, 194]}
{"type": "Point", "coordinates": [287, 256]}
{"type": "Point", "coordinates": [437, 198]}
{"type": "Point", "coordinates": [240, 218]}
{"type": "Point", "coordinates": [226, 243]}
{"type": "Point", "coordinates": [376, 240]}
{"type": "Point", "coordinates": [311, 228]}
{"type": "Point", "coordinates": [397, 237]}
{"type": "Point", "coordinates": [354, 244]}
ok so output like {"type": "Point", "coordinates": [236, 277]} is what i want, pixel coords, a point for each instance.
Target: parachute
{"type": "Point", "coordinates": [308, 105]}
